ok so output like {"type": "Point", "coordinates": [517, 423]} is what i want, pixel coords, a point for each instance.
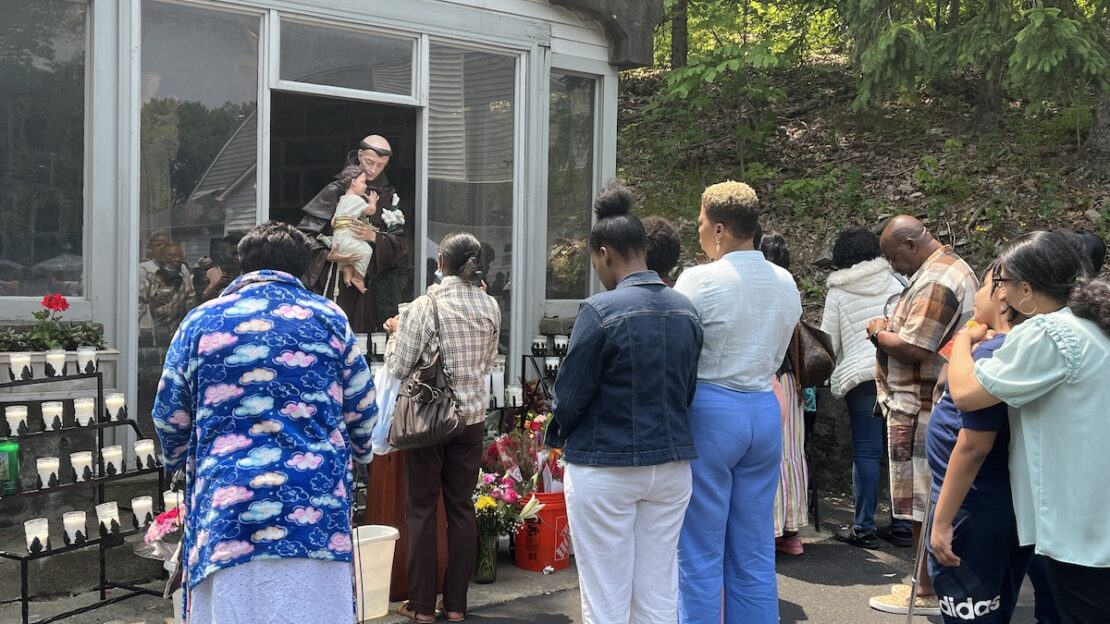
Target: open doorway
{"type": "Point", "coordinates": [313, 137]}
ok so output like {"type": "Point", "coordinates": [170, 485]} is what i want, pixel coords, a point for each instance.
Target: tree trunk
{"type": "Point", "coordinates": [680, 36]}
{"type": "Point", "coordinates": [988, 97]}
{"type": "Point", "coordinates": [953, 14]}
{"type": "Point", "coordinates": [1098, 140]}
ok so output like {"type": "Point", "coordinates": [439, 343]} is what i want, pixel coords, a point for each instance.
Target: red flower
{"type": "Point", "coordinates": [55, 302]}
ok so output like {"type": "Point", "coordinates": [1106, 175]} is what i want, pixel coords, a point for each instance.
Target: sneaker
{"type": "Point", "coordinates": [848, 535]}
{"type": "Point", "coordinates": [902, 538]}
{"type": "Point", "coordinates": [900, 604]}
{"type": "Point", "coordinates": [789, 545]}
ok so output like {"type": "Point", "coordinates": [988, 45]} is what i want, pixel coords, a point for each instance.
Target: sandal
{"type": "Point", "coordinates": [452, 616]}
{"type": "Point", "coordinates": [408, 612]}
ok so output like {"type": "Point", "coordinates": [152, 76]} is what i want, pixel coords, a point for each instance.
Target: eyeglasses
{"type": "Point", "coordinates": [997, 279]}
{"type": "Point", "coordinates": [892, 304]}
{"type": "Point", "coordinates": [380, 151]}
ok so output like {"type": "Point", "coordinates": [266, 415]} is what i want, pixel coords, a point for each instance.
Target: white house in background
{"type": "Point", "coordinates": [201, 118]}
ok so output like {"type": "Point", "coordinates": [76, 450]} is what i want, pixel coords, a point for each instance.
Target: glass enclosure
{"type": "Point", "coordinates": [346, 58]}
{"type": "Point", "coordinates": [570, 185]}
{"type": "Point", "coordinates": [42, 147]}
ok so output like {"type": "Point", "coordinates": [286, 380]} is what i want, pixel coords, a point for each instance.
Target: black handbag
{"type": "Point", "coordinates": [426, 412]}
{"type": "Point", "coordinates": [814, 360]}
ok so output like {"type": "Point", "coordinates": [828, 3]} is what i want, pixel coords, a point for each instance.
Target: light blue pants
{"type": "Point", "coordinates": [727, 541]}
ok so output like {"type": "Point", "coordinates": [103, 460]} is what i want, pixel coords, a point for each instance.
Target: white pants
{"type": "Point", "coordinates": [625, 523]}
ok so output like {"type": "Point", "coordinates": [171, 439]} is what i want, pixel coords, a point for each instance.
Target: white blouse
{"type": "Point", "coordinates": [749, 308]}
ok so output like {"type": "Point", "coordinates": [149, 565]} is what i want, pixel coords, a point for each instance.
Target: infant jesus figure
{"type": "Point", "coordinates": [351, 206]}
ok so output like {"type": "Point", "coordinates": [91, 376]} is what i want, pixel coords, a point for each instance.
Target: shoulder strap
{"type": "Point", "coordinates": [439, 337]}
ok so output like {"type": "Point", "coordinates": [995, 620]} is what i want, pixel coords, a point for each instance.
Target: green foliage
{"type": "Point", "coordinates": [1053, 53]}
{"type": "Point", "coordinates": [893, 64]}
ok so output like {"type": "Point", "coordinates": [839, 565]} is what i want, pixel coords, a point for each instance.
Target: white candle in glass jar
{"type": "Point", "coordinates": [360, 340]}
{"type": "Point", "coordinates": [144, 452]}
{"type": "Point", "coordinates": [377, 340]}
{"type": "Point", "coordinates": [16, 415]}
{"type": "Point", "coordinates": [52, 414]}
{"type": "Point", "coordinates": [47, 467]}
{"type": "Point", "coordinates": [561, 342]}
{"type": "Point", "coordinates": [19, 363]}
{"type": "Point", "coordinates": [514, 396]}
{"type": "Point", "coordinates": [80, 461]}
{"type": "Point", "coordinates": [539, 345]}
{"type": "Point", "coordinates": [86, 359]}
{"type": "Point", "coordinates": [142, 506]}
{"type": "Point", "coordinates": [497, 387]}
{"type": "Point", "coordinates": [114, 402]}
{"type": "Point", "coordinates": [106, 513]}
{"type": "Point", "coordinates": [74, 522]}
{"type": "Point", "coordinates": [171, 499]}
{"type": "Point", "coordinates": [551, 363]}
{"type": "Point", "coordinates": [37, 528]}
{"type": "Point", "coordinates": [56, 359]}
{"type": "Point", "coordinates": [84, 411]}
{"type": "Point", "coordinates": [113, 458]}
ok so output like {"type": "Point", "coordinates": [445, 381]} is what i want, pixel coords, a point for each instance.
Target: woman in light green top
{"type": "Point", "coordinates": [1054, 373]}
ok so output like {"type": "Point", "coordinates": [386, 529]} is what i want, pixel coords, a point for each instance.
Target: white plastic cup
{"type": "Point", "coordinates": [74, 522]}
{"type": "Point", "coordinates": [106, 513]}
{"type": "Point", "coordinates": [37, 528]}
{"type": "Point", "coordinates": [114, 402]}
{"type": "Point", "coordinates": [16, 415]}
{"type": "Point", "coordinates": [113, 457]}
{"type": "Point", "coordinates": [80, 461]}
{"type": "Point", "coordinates": [20, 363]}
{"type": "Point", "coordinates": [86, 359]}
{"type": "Point", "coordinates": [84, 411]}
{"type": "Point", "coordinates": [47, 466]}
{"type": "Point", "coordinates": [51, 414]}
{"type": "Point", "coordinates": [141, 507]}
{"type": "Point", "coordinates": [56, 358]}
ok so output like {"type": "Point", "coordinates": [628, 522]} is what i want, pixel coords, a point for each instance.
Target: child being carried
{"type": "Point", "coordinates": [351, 206]}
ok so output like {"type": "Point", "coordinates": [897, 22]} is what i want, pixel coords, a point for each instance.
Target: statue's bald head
{"type": "Point", "coordinates": [906, 243]}
{"type": "Point", "coordinates": [373, 155]}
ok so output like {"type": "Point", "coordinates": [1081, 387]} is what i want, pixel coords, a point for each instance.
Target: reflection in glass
{"type": "Point", "coordinates": [42, 146]}
{"type": "Point", "coordinates": [198, 158]}
{"type": "Point", "coordinates": [470, 161]}
{"type": "Point", "coordinates": [346, 58]}
{"type": "Point", "coordinates": [570, 173]}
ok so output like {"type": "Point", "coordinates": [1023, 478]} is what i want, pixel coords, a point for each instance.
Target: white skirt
{"type": "Point", "coordinates": [275, 591]}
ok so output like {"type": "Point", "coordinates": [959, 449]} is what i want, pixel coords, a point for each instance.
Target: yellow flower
{"type": "Point", "coordinates": [484, 502]}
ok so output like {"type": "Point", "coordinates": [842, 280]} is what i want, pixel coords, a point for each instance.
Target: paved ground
{"type": "Point", "coordinates": [829, 584]}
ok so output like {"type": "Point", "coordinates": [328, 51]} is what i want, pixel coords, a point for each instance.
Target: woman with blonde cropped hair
{"type": "Point", "coordinates": [748, 309]}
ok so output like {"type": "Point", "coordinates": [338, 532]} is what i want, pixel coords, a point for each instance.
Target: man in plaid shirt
{"type": "Point", "coordinates": [935, 304]}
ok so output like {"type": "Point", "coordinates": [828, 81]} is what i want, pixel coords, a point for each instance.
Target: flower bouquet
{"type": "Point", "coordinates": [502, 504]}
{"type": "Point", "coordinates": [162, 536]}
{"type": "Point", "coordinates": [522, 454]}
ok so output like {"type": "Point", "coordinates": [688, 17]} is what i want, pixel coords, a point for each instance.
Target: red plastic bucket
{"type": "Point", "coordinates": [545, 541]}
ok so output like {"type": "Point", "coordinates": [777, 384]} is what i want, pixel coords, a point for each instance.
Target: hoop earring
{"type": "Point", "coordinates": [1023, 312]}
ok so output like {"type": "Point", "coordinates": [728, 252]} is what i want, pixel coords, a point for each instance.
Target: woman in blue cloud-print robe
{"type": "Point", "coordinates": [265, 400]}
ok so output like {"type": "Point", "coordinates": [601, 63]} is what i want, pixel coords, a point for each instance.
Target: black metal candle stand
{"type": "Point", "coordinates": [145, 523]}
{"type": "Point", "coordinates": [51, 371]}
{"type": "Point", "coordinates": [111, 536]}
{"type": "Point", "coordinates": [24, 375]}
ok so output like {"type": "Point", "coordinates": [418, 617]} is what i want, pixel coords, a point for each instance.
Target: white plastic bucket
{"type": "Point", "coordinates": [171, 567]}
{"type": "Point", "coordinates": [373, 569]}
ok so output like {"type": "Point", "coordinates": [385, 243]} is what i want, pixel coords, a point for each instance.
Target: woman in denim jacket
{"type": "Point", "coordinates": [621, 403]}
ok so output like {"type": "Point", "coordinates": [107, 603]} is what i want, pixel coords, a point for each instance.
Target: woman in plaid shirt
{"type": "Point", "coordinates": [469, 323]}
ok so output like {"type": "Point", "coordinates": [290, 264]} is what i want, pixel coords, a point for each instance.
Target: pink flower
{"type": "Point", "coordinates": [220, 393]}
{"type": "Point", "coordinates": [230, 494]}
{"type": "Point", "coordinates": [215, 342]}
{"type": "Point", "coordinates": [495, 494]}
{"type": "Point", "coordinates": [305, 461]}
{"type": "Point", "coordinates": [226, 551]}
{"type": "Point", "coordinates": [305, 515]}
{"type": "Point", "coordinates": [230, 443]}
{"type": "Point", "coordinates": [488, 478]}
{"type": "Point", "coordinates": [507, 481]}
{"type": "Point", "coordinates": [511, 496]}
{"type": "Point", "coordinates": [167, 522]}
{"type": "Point", "coordinates": [340, 543]}
{"type": "Point", "coordinates": [296, 359]}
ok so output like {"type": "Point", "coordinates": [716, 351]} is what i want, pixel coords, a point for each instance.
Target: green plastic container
{"type": "Point", "coordinates": [9, 466]}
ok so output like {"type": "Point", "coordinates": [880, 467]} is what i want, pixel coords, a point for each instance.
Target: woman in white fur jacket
{"type": "Point", "coordinates": [859, 291]}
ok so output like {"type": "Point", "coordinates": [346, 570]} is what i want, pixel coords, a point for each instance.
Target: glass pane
{"type": "Point", "coordinates": [346, 58]}
{"type": "Point", "coordinates": [470, 160]}
{"type": "Point", "coordinates": [42, 147]}
{"type": "Point", "coordinates": [570, 185]}
{"type": "Point", "coordinates": [198, 158]}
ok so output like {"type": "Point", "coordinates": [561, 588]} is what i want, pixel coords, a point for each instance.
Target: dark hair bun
{"type": "Point", "coordinates": [1091, 300]}
{"type": "Point", "coordinates": [614, 200]}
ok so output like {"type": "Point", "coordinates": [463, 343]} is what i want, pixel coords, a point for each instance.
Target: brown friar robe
{"type": "Point", "coordinates": [366, 312]}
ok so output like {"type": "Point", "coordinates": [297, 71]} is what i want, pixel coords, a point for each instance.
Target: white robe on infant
{"type": "Point", "coordinates": [344, 242]}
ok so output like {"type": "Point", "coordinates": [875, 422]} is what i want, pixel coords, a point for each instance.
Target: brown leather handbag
{"type": "Point", "coordinates": [814, 359]}
{"type": "Point", "coordinates": [426, 412]}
